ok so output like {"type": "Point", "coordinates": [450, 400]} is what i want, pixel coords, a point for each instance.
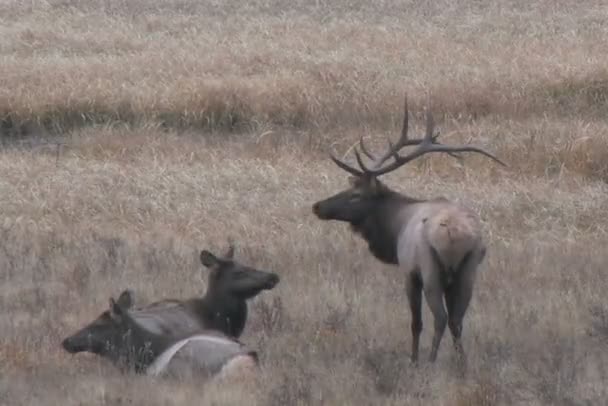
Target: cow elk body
{"type": "Point", "coordinates": [117, 336]}
{"type": "Point", "coordinates": [437, 242]}
{"type": "Point", "coordinates": [223, 307]}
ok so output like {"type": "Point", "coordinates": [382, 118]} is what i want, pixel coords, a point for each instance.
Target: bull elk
{"type": "Point", "coordinates": [119, 337]}
{"type": "Point", "coordinates": [437, 242]}
{"type": "Point", "coordinates": [223, 307]}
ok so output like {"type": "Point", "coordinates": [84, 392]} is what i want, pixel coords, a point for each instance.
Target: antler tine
{"type": "Point", "coordinates": [405, 141]}
{"type": "Point", "coordinates": [405, 119]}
{"type": "Point", "coordinates": [347, 168]}
{"type": "Point", "coordinates": [403, 138]}
{"type": "Point", "coordinates": [430, 126]}
{"type": "Point", "coordinates": [366, 151]}
{"type": "Point", "coordinates": [464, 148]}
{"type": "Point", "coordinates": [430, 133]}
{"type": "Point", "coordinates": [360, 162]}
{"type": "Point", "coordinates": [426, 145]}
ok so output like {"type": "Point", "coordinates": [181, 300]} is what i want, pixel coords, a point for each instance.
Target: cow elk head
{"type": "Point", "coordinates": [231, 278]}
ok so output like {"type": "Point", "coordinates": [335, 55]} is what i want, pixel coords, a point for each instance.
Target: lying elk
{"type": "Point", "coordinates": [117, 336]}
{"type": "Point", "coordinates": [222, 308]}
{"type": "Point", "coordinates": [437, 242]}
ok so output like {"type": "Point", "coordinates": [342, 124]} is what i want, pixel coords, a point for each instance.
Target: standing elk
{"type": "Point", "coordinates": [117, 336]}
{"type": "Point", "coordinates": [223, 307]}
{"type": "Point", "coordinates": [437, 242]}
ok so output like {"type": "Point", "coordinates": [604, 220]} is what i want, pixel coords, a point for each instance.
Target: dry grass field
{"type": "Point", "coordinates": [137, 132]}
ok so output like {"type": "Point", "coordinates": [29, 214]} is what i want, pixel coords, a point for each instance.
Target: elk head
{"type": "Point", "coordinates": [231, 278]}
{"type": "Point", "coordinates": [117, 336]}
{"type": "Point", "coordinates": [354, 204]}
{"type": "Point", "coordinates": [103, 333]}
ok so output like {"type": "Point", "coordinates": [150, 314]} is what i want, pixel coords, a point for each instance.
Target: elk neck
{"type": "Point", "coordinates": [222, 311]}
{"type": "Point", "coordinates": [138, 349]}
{"type": "Point", "coordinates": [382, 225]}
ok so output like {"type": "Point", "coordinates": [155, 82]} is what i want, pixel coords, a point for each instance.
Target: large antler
{"type": "Point", "coordinates": [403, 141]}
{"type": "Point", "coordinates": [424, 146]}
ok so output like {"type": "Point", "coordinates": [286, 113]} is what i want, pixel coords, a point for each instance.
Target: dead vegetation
{"type": "Point", "coordinates": [327, 66]}
{"type": "Point", "coordinates": [171, 125]}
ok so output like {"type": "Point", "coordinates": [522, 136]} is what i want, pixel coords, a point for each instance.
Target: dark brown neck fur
{"type": "Point", "coordinates": [221, 312]}
{"type": "Point", "coordinates": [380, 229]}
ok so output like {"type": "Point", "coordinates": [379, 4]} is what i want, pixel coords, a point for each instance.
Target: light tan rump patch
{"type": "Point", "coordinates": [453, 232]}
{"type": "Point", "coordinates": [240, 369]}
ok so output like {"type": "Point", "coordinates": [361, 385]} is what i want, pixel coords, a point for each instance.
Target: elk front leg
{"type": "Point", "coordinates": [414, 296]}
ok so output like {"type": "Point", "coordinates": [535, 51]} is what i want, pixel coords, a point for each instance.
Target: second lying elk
{"type": "Point", "coordinates": [223, 307]}
{"type": "Point", "coordinates": [437, 242]}
{"type": "Point", "coordinates": [119, 337]}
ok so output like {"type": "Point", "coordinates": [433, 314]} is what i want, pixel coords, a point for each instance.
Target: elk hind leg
{"type": "Point", "coordinates": [458, 296]}
{"type": "Point", "coordinates": [433, 293]}
{"type": "Point", "coordinates": [414, 296]}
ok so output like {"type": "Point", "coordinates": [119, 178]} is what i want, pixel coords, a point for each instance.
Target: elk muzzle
{"type": "Point", "coordinates": [272, 280]}
{"type": "Point", "coordinates": [74, 344]}
{"type": "Point", "coordinates": [320, 211]}
{"type": "Point", "coordinates": [342, 206]}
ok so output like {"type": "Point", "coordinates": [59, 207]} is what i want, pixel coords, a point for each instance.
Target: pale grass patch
{"type": "Point", "coordinates": [204, 64]}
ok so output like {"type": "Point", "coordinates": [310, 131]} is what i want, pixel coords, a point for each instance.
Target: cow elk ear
{"type": "Point", "coordinates": [125, 300]}
{"type": "Point", "coordinates": [229, 254]}
{"type": "Point", "coordinates": [208, 259]}
{"type": "Point", "coordinates": [115, 310]}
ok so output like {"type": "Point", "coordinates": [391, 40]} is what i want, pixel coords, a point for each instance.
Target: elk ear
{"type": "Point", "coordinates": [125, 300]}
{"type": "Point", "coordinates": [353, 181]}
{"type": "Point", "coordinates": [208, 259]}
{"type": "Point", "coordinates": [115, 310]}
{"type": "Point", "coordinates": [229, 254]}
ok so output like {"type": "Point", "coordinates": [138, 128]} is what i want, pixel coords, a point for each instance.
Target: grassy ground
{"type": "Point", "coordinates": [135, 133]}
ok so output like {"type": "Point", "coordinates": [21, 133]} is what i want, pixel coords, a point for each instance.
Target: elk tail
{"type": "Point", "coordinates": [444, 267]}
{"type": "Point", "coordinates": [438, 260]}
{"type": "Point", "coordinates": [447, 271]}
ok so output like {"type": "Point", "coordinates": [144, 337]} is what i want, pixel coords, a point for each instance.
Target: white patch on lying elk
{"type": "Point", "coordinates": [437, 242]}
{"type": "Point", "coordinates": [201, 355]}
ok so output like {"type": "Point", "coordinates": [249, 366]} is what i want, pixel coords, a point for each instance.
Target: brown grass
{"type": "Point", "coordinates": [122, 190]}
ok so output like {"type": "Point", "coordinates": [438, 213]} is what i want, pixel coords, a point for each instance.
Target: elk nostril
{"type": "Point", "coordinates": [274, 279]}
{"type": "Point", "coordinates": [316, 208]}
